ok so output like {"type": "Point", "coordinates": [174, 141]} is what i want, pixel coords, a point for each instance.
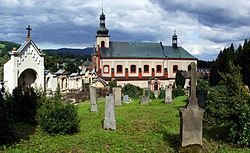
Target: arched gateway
{"type": "Point", "coordinates": [25, 67]}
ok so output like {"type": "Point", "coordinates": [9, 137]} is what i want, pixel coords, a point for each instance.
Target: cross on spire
{"type": "Point", "coordinates": [193, 75]}
{"type": "Point", "coordinates": [28, 31]}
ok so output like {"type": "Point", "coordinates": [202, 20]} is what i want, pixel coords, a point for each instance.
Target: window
{"type": "Point", "coordinates": [175, 68]}
{"type": "Point", "coordinates": [133, 69]}
{"type": "Point", "coordinates": [158, 68]}
{"type": "Point", "coordinates": [102, 44]}
{"type": "Point", "coordinates": [106, 69]}
{"type": "Point", "coordinates": [189, 67]}
{"type": "Point", "coordinates": [119, 69]}
{"type": "Point", "coordinates": [146, 69]}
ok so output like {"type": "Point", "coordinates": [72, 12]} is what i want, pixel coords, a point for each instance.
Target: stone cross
{"type": "Point", "coordinates": [193, 75]}
{"type": "Point", "coordinates": [28, 33]}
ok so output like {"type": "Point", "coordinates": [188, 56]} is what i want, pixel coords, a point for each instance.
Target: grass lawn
{"type": "Point", "coordinates": [152, 128]}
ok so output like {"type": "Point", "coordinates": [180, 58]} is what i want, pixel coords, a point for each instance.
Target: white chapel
{"type": "Point", "coordinates": [25, 67]}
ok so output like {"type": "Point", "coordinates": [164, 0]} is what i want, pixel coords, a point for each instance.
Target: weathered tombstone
{"type": "Point", "coordinates": [109, 119]}
{"type": "Point", "coordinates": [126, 99]}
{"type": "Point", "coordinates": [191, 116]}
{"type": "Point", "coordinates": [145, 97]}
{"type": "Point", "coordinates": [156, 93]}
{"type": "Point", "coordinates": [93, 99]}
{"type": "Point", "coordinates": [168, 94]}
{"type": "Point", "coordinates": [117, 92]}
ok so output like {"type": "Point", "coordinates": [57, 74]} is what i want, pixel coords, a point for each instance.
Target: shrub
{"type": "Point", "coordinates": [132, 91]}
{"type": "Point", "coordinates": [179, 79]}
{"type": "Point", "coordinates": [228, 104]}
{"type": "Point", "coordinates": [162, 94]}
{"type": "Point", "coordinates": [6, 123]}
{"type": "Point", "coordinates": [55, 117]}
{"type": "Point", "coordinates": [24, 104]}
{"type": "Point", "coordinates": [239, 131]}
{"type": "Point", "coordinates": [152, 95]}
{"type": "Point", "coordinates": [112, 83]}
{"type": "Point", "coordinates": [179, 91]}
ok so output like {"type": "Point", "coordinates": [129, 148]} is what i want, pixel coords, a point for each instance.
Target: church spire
{"type": "Point", "coordinates": [102, 31]}
{"type": "Point", "coordinates": [174, 40]}
{"type": "Point", "coordinates": [28, 32]}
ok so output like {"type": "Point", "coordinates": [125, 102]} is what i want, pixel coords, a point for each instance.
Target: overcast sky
{"type": "Point", "coordinates": [203, 27]}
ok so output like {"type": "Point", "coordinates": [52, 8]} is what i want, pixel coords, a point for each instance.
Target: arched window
{"type": "Point", "coordinates": [158, 69]}
{"type": "Point", "coordinates": [102, 44]}
{"type": "Point", "coordinates": [146, 68]}
{"type": "Point", "coordinates": [119, 69]}
{"type": "Point", "coordinates": [133, 69]}
{"type": "Point", "coordinates": [175, 68]}
{"type": "Point", "coordinates": [106, 69]}
{"type": "Point", "coordinates": [189, 67]}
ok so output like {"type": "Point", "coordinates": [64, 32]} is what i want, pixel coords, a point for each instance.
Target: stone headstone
{"type": "Point", "coordinates": [146, 96]}
{"type": "Point", "coordinates": [156, 93]}
{"type": "Point", "coordinates": [93, 99]}
{"type": "Point", "coordinates": [117, 92]}
{"type": "Point", "coordinates": [191, 116]}
{"type": "Point", "coordinates": [144, 100]}
{"type": "Point", "coordinates": [191, 125]}
{"type": "Point", "coordinates": [126, 99]}
{"type": "Point", "coordinates": [168, 94]}
{"type": "Point", "coordinates": [109, 119]}
{"type": "Point", "coordinates": [146, 92]}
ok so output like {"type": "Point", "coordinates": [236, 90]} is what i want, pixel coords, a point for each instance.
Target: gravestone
{"type": "Point", "coordinates": [93, 99]}
{"type": "Point", "coordinates": [168, 94]}
{"type": "Point", "coordinates": [109, 119]}
{"type": "Point", "coordinates": [156, 93]}
{"type": "Point", "coordinates": [191, 116]}
{"type": "Point", "coordinates": [146, 96]}
{"type": "Point", "coordinates": [117, 92]}
{"type": "Point", "coordinates": [126, 99]}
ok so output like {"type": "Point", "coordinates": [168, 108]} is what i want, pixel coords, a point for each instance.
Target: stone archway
{"type": "Point", "coordinates": [156, 85]}
{"type": "Point", "coordinates": [27, 78]}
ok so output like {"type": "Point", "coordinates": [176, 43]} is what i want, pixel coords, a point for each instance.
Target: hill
{"type": "Point", "coordinates": [86, 52]}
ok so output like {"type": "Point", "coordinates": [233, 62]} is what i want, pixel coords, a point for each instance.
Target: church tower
{"type": "Point", "coordinates": [102, 34]}
{"type": "Point", "coordinates": [174, 40]}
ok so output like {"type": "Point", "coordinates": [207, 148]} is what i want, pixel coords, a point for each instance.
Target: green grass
{"type": "Point", "coordinates": [152, 128]}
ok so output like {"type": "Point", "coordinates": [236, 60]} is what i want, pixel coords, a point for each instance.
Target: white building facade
{"type": "Point", "coordinates": [25, 67]}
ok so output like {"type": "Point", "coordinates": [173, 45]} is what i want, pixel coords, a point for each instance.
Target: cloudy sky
{"type": "Point", "coordinates": [203, 27]}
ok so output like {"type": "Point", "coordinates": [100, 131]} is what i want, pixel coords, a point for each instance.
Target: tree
{"type": "Point", "coordinates": [227, 104]}
{"type": "Point", "coordinates": [179, 79]}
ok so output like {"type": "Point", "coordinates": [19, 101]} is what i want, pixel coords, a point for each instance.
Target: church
{"type": "Point", "coordinates": [144, 64]}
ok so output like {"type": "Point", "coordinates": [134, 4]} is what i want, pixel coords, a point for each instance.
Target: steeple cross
{"type": "Point", "coordinates": [193, 75]}
{"type": "Point", "coordinates": [28, 31]}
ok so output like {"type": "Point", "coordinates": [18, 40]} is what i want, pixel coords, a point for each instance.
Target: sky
{"type": "Point", "coordinates": [203, 27]}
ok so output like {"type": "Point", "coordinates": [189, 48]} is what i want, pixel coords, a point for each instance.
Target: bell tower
{"type": "Point", "coordinates": [174, 40]}
{"type": "Point", "coordinates": [102, 34]}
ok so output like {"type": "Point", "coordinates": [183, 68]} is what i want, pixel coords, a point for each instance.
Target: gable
{"type": "Point", "coordinates": [29, 47]}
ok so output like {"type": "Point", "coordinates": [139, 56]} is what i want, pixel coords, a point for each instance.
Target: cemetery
{"type": "Point", "coordinates": [103, 126]}
{"type": "Point", "coordinates": [131, 97]}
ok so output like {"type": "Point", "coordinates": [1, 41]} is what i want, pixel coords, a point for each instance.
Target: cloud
{"type": "Point", "coordinates": [203, 27]}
